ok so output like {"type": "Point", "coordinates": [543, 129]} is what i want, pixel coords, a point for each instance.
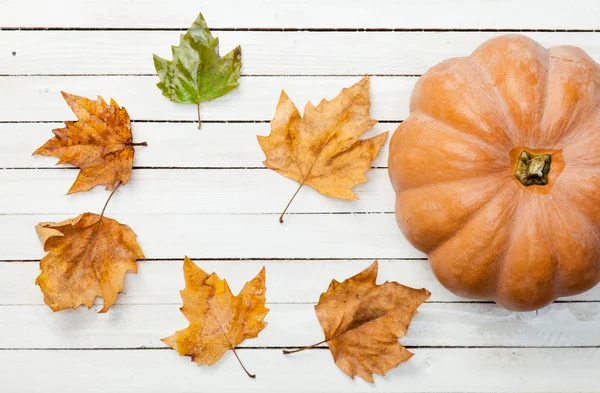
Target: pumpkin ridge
{"type": "Point", "coordinates": [414, 215]}
{"type": "Point", "coordinates": [581, 116]}
{"type": "Point", "coordinates": [545, 98]}
{"type": "Point", "coordinates": [511, 288]}
{"type": "Point", "coordinates": [556, 279]}
{"type": "Point", "coordinates": [447, 182]}
{"type": "Point", "coordinates": [470, 218]}
{"type": "Point", "coordinates": [581, 217]}
{"type": "Point", "coordinates": [591, 167]}
{"type": "Point", "coordinates": [518, 67]}
{"type": "Point", "coordinates": [581, 148]}
{"type": "Point", "coordinates": [509, 241]}
{"type": "Point", "coordinates": [454, 92]}
{"type": "Point", "coordinates": [502, 104]}
{"type": "Point", "coordinates": [578, 131]}
{"type": "Point", "coordinates": [475, 139]}
{"type": "Point", "coordinates": [495, 261]}
{"type": "Point", "coordinates": [420, 147]}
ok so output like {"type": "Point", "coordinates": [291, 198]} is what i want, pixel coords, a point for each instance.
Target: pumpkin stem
{"type": "Point", "coordinates": [533, 169]}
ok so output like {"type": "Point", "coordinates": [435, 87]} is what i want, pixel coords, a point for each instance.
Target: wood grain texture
{"type": "Point", "coordinates": [430, 370]}
{"type": "Point", "coordinates": [469, 14]}
{"type": "Point", "coordinates": [288, 281]}
{"type": "Point", "coordinates": [264, 52]}
{"type": "Point", "coordinates": [219, 145]}
{"type": "Point", "coordinates": [193, 191]}
{"type": "Point", "coordinates": [234, 235]}
{"type": "Point", "coordinates": [205, 194]}
{"type": "Point", "coordinates": [255, 98]}
{"type": "Point", "coordinates": [295, 325]}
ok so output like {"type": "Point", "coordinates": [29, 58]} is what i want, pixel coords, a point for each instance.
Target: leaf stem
{"type": "Point", "coordinates": [227, 339]}
{"type": "Point", "coordinates": [108, 200]}
{"type": "Point", "coordinates": [199, 122]}
{"type": "Point", "coordinates": [290, 202]}
{"type": "Point", "coordinates": [242, 364]}
{"type": "Point", "coordinates": [286, 352]}
{"type": "Point", "coordinates": [139, 144]}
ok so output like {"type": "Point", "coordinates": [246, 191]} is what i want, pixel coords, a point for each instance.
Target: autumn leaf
{"type": "Point", "coordinates": [218, 320]}
{"type": "Point", "coordinates": [322, 149]}
{"type": "Point", "coordinates": [363, 321]}
{"type": "Point", "coordinates": [100, 143]}
{"type": "Point", "coordinates": [88, 256]}
{"type": "Point", "coordinates": [197, 73]}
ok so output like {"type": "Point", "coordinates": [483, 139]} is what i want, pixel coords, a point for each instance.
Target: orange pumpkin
{"type": "Point", "coordinates": [497, 172]}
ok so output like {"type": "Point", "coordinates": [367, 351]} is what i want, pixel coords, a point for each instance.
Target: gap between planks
{"type": "Point", "coordinates": [171, 121]}
{"type": "Point", "coordinates": [144, 348]}
{"type": "Point", "coordinates": [273, 259]}
{"type": "Point", "coordinates": [295, 303]}
{"type": "Point", "coordinates": [242, 75]}
{"type": "Point", "coordinates": [309, 29]}
{"type": "Point", "coordinates": [70, 168]}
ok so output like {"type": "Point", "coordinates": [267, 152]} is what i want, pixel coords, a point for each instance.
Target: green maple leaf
{"type": "Point", "coordinates": [197, 73]}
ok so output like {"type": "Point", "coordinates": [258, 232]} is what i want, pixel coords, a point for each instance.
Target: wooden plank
{"type": "Point", "coordinates": [164, 191]}
{"type": "Point", "coordinates": [234, 235]}
{"type": "Point", "coordinates": [429, 370]}
{"type": "Point", "coordinates": [470, 14]}
{"type": "Point", "coordinates": [273, 52]}
{"type": "Point", "coordinates": [255, 98]}
{"type": "Point", "coordinates": [296, 325]}
{"type": "Point", "coordinates": [288, 281]}
{"type": "Point", "coordinates": [159, 282]}
{"type": "Point", "coordinates": [218, 145]}
{"type": "Point", "coordinates": [230, 214]}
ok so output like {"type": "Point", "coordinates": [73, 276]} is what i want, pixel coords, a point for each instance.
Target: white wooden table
{"type": "Point", "coordinates": [206, 194]}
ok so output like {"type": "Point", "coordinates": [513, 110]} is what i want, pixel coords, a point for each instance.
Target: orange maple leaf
{"type": "Point", "coordinates": [218, 320]}
{"type": "Point", "coordinates": [363, 321]}
{"type": "Point", "coordinates": [322, 149]}
{"type": "Point", "coordinates": [99, 143]}
{"type": "Point", "coordinates": [88, 256]}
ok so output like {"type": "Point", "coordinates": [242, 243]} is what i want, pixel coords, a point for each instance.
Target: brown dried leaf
{"type": "Point", "coordinates": [322, 148]}
{"type": "Point", "coordinates": [218, 320]}
{"type": "Point", "coordinates": [100, 143]}
{"type": "Point", "coordinates": [88, 256]}
{"type": "Point", "coordinates": [363, 321]}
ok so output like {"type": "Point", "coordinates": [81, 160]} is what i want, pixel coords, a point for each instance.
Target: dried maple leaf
{"type": "Point", "coordinates": [88, 256]}
{"type": "Point", "coordinates": [197, 73]}
{"type": "Point", "coordinates": [322, 149]}
{"type": "Point", "coordinates": [100, 143]}
{"type": "Point", "coordinates": [218, 320]}
{"type": "Point", "coordinates": [363, 321]}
